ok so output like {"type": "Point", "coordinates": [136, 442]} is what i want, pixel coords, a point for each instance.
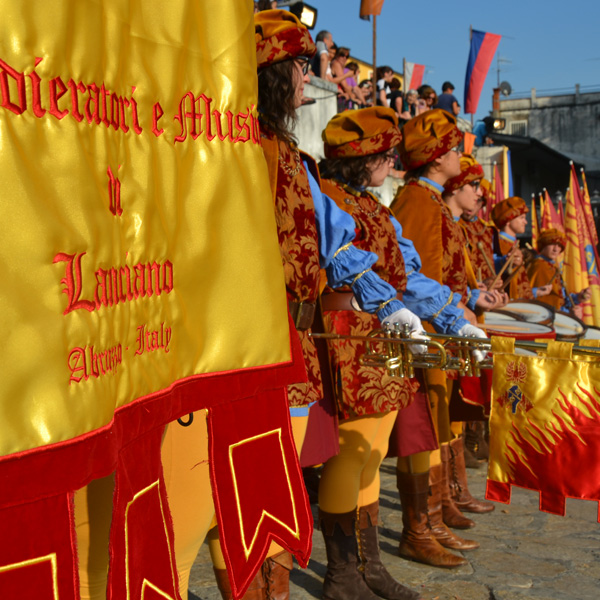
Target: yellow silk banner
{"type": "Point", "coordinates": [544, 424]}
{"type": "Point", "coordinates": [139, 244]}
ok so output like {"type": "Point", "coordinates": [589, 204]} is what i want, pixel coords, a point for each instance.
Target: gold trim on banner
{"type": "Point", "coordinates": [296, 532]}
{"type": "Point", "coordinates": [146, 583]}
{"type": "Point", "coordinates": [34, 561]}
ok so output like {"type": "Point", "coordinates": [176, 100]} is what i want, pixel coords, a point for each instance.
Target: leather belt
{"type": "Point", "coordinates": [338, 301]}
{"type": "Point", "coordinates": [302, 314]}
{"type": "Point", "coordinates": [343, 301]}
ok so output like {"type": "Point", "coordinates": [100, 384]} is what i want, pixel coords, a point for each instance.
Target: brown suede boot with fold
{"type": "Point", "coordinates": [418, 542]}
{"type": "Point", "coordinates": [276, 573]}
{"type": "Point", "coordinates": [343, 580]}
{"type": "Point", "coordinates": [450, 513]}
{"type": "Point", "coordinates": [474, 440]}
{"type": "Point", "coordinates": [458, 482]}
{"type": "Point", "coordinates": [256, 591]}
{"type": "Point", "coordinates": [442, 534]}
{"type": "Point", "coordinates": [374, 572]}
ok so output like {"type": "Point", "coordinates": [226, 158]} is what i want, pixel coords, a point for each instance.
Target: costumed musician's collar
{"type": "Point", "coordinates": [428, 183]}
{"type": "Point", "coordinates": [355, 191]}
{"type": "Point", "coordinates": [457, 219]}
{"type": "Point", "coordinates": [507, 236]}
{"type": "Point", "coordinates": [547, 259]}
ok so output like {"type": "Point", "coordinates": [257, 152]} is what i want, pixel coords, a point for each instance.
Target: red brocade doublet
{"type": "Point", "coordinates": [480, 238]}
{"type": "Point", "coordinates": [299, 246]}
{"type": "Point", "coordinates": [364, 390]}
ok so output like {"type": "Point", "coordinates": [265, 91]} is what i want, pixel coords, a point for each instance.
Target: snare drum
{"type": "Point", "coordinates": [591, 333]}
{"type": "Point", "coordinates": [532, 311]}
{"type": "Point", "coordinates": [520, 330]}
{"type": "Point", "coordinates": [568, 328]}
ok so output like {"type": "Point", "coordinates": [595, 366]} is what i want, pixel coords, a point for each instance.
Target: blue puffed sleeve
{"type": "Point", "coordinates": [473, 297]}
{"type": "Point", "coordinates": [427, 298]}
{"type": "Point", "coordinates": [499, 261]}
{"type": "Point", "coordinates": [343, 262]}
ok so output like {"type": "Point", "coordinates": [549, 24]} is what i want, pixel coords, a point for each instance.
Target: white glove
{"type": "Point", "coordinates": [406, 317]}
{"type": "Point", "coordinates": [469, 330]}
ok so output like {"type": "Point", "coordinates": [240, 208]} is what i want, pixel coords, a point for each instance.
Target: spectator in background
{"type": "Point", "coordinates": [264, 5]}
{"type": "Point", "coordinates": [320, 62]}
{"type": "Point", "coordinates": [427, 98]}
{"type": "Point", "coordinates": [357, 96]}
{"type": "Point", "coordinates": [366, 86]}
{"type": "Point", "coordinates": [409, 107]}
{"type": "Point", "coordinates": [482, 130]}
{"type": "Point", "coordinates": [339, 75]}
{"type": "Point", "coordinates": [384, 77]}
{"type": "Point", "coordinates": [447, 100]}
{"type": "Point", "coordinates": [396, 96]}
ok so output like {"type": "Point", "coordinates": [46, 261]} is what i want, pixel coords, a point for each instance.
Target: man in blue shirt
{"type": "Point", "coordinates": [447, 100]}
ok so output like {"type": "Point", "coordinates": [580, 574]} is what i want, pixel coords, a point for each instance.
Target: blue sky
{"type": "Point", "coordinates": [549, 44]}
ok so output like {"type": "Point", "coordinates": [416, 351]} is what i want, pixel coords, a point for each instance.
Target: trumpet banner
{"type": "Point", "coordinates": [142, 280]}
{"type": "Point", "coordinates": [544, 425]}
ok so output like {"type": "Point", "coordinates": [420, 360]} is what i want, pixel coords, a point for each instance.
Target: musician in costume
{"type": "Point", "coordinates": [510, 219]}
{"type": "Point", "coordinates": [313, 235]}
{"type": "Point", "coordinates": [480, 237]}
{"type": "Point", "coordinates": [544, 270]}
{"type": "Point", "coordinates": [430, 153]}
{"type": "Point", "coordinates": [359, 152]}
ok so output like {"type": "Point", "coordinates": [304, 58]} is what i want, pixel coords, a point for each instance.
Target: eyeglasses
{"type": "Point", "coordinates": [304, 63]}
{"type": "Point", "coordinates": [390, 156]}
{"type": "Point", "coordinates": [458, 149]}
{"type": "Point", "coordinates": [474, 184]}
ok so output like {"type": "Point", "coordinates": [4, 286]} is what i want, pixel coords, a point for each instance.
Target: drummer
{"type": "Point", "coordinates": [510, 219]}
{"type": "Point", "coordinates": [545, 271]}
{"type": "Point", "coordinates": [480, 237]}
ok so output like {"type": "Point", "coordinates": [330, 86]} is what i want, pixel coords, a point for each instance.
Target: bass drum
{"type": "Point", "coordinates": [532, 311]}
{"type": "Point", "coordinates": [568, 328]}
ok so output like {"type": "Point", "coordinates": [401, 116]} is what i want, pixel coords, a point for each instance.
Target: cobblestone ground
{"type": "Point", "coordinates": [525, 554]}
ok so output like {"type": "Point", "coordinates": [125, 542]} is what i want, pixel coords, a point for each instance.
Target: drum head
{"type": "Point", "coordinates": [520, 330]}
{"type": "Point", "coordinates": [497, 316]}
{"type": "Point", "coordinates": [568, 328]}
{"type": "Point", "coordinates": [532, 311]}
{"type": "Point", "coordinates": [591, 333]}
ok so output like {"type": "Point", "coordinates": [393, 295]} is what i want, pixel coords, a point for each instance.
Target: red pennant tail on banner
{"type": "Point", "coordinates": [550, 218]}
{"type": "Point", "coordinates": [257, 485]}
{"type": "Point", "coordinates": [589, 214]}
{"type": "Point", "coordinates": [498, 187]}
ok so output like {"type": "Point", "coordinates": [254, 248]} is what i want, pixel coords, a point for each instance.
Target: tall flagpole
{"type": "Point", "coordinates": [375, 92]}
{"type": "Point", "coordinates": [470, 40]}
{"type": "Point", "coordinates": [404, 84]}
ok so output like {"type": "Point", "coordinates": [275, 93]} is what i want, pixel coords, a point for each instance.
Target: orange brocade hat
{"type": "Point", "coordinates": [486, 186]}
{"type": "Point", "coordinates": [507, 210]}
{"type": "Point", "coordinates": [428, 136]}
{"type": "Point", "coordinates": [551, 236]}
{"type": "Point", "coordinates": [280, 36]}
{"type": "Point", "coordinates": [470, 170]}
{"type": "Point", "coordinates": [361, 132]}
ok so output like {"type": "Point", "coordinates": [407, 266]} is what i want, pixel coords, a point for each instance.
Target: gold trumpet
{"type": "Point", "coordinates": [390, 348]}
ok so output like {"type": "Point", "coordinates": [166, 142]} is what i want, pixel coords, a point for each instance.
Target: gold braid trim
{"type": "Point", "coordinates": [385, 304]}
{"type": "Point", "coordinates": [342, 248]}
{"type": "Point", "coordinates": [437, 314]}
{"type": "Point", "coordinates": [360, 275]}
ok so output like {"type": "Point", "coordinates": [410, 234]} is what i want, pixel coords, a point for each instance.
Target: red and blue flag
{"type": "Point", "coordinates": [483, 48]}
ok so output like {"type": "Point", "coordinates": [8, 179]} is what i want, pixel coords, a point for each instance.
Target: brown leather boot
{"type": "Point", "coordinates": [458, 482]}
{"type": "Point", "coordinates": [450, 514]}
{"type": "Point", "coordinates": [474, 440]}
{"type": "Point", "coordinates": [374, 572]}
{"type": "Point", "coordinates": [442, 534]}
{"type": "Point", "coordinates": [418, 542]}
{"type": "Point", "coordinates": [343, 581]}
{"type": "Point", "coordinates": [276, 573]}
{"type": "Point", "coordinates": [256, 591]}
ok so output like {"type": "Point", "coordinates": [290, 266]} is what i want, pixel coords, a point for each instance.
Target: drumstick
{"type": "Point", "coordinates": [504, 267]}
{"type": "Point", "coordinates": [512, 276]}
{"type": "Point", "coordinates": [500, 327]}
{"type": "Point", "coordinates": [485, 257]}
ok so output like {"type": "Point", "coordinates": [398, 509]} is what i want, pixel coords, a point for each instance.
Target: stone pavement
{"type": "Point", "coordinates": [525, 554]}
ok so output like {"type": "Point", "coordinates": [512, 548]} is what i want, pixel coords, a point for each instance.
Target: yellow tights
{"type": "Point", "coordinates": [351, 478]}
